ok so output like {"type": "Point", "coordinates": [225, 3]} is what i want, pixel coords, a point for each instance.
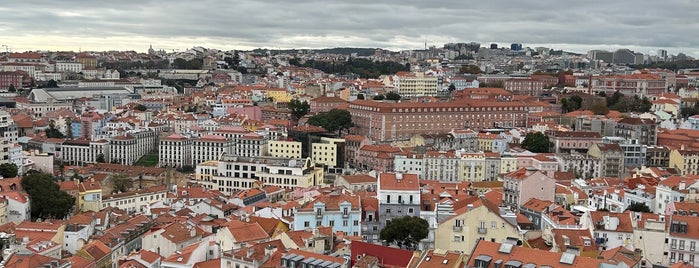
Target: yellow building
{"type": "Point", "coordinates": [206, 171]}
{"type": "Point", "coordinates": [485, 141]}
{"type": "Point", "coordinates": [472, 167]}
{"type": "Point", "coordinates": [480, 220]}
{"type": "Point", "coordinates": [415, 84]}
{"type": "Point", "coordinates": [326, 152]}
{"type": "Point", "coordinates": [508, 164]}
{"type": "Point", "coordinates": [89, 195]}
{"type": "Point", "coordinates": [686, 161]}
{"type": "Point", "coordinates": [279, 94]}
{"type": "Point", "coordinates": [286, 149]}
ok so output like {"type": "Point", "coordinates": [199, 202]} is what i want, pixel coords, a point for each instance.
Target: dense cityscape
{"type": "Point", "coordinates": [458, 155]}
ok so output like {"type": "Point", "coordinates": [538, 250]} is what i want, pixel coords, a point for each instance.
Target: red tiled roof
{"type": "Point", "coordinates": [391, 181]}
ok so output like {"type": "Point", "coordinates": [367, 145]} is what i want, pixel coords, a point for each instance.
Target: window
{"type": "Point", "coordinates": [319, 223]}
{"type": "Point", "coordinates": [410, 210]}
{"type": "Point", "coordinates": [306, 224]}
{"type": "Point", "coordinates": [388, 199]}
{"type": "Point", "coordinates": [356, 222]}
{"type": "Point", "coordinates": [388, 210]}
{"type": "Point", "coordinates": [493, 225]}
{"type": "Point", "coordinates": [332, 223]}
{"type": "Point", "coordinates": [692, 245]}
{"type": "Point", "coordinates": [344, 223]}
{"type": "Point", "coordinates": [673, 244]}
{"type": "Point", "coordinates": [681, 244]}
{"type": "Point", "coordinates": [345, 211]}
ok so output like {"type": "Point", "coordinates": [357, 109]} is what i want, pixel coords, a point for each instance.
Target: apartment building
{"type": "Point", "coordinates": [399, 196]}
{"type": "Point", "coordinates": [525, 184]}
{"type": "Point", "coordinates": [251, 145]}
{"type": "Point", "coordinates": [210, 147]}
{"type": "Point", "coordinates": [415, 84]}
{"type": "Point", "coordinates": [284, 148]}
{"type": "Point", "coordinates": [175, 151]}
{"type": "Point", "coordinates": [340, 211]}
{"type": "Point", "coordinates": [81, 152]}
{"type": "Point", "coordinates": [135, 201]}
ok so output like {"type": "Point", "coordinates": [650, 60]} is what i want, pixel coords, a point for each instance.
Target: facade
{"type": "Point", "coordinates": [175, 151]}
{"type": "Point", "coordinates": [683, 237]}
{"type": "Point", "coordinates": [128, 148]}
{"type": "Point", "coordinates": [685, 161]}
{"type": "Point", "coordinates": [478, 221]}
{"type": "Point", "coordinates": [384, 121]}
{"type": "Point", "coordinates": [80, 152]}
{"type": "Point", "coordinates": [399, 196]}
{"type": "Point", "coordinates": [415, 84]}
{"type": "Point", "coordinates": [135, 201]}
{"type": "Point", "coordinates": [442, 166]}
{"type": "Point", "coordinates": [643, 130]}
{"type": "Point", "coordinates": [342, 212]}
{"type": "Point", "coordinates": [567, 141]}
{"type": "Point", "coordinates": [582, 165]}
{"type": "Point", "coordinates": [251, 145]}
{"type": "Point", "coordinates": [282, 148]}
{"type": "Point", "coordinates": [210, 147]}
{"type": "Point", "coordinates": [527, 183]}
{"type": "Point", "coordinates": [611, 158]}
{"type": "Point", "coordinates": [329, 152]}
{"type": "Point", "coordinates": [609, 229]}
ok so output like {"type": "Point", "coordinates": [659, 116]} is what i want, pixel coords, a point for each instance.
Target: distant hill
{"type": "Point", "coordinates": [338, 50]}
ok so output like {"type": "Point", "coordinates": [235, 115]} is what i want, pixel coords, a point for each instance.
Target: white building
{"type": "Point", "coordinates": [175, 151]}
{"type": "Point", "coordinates": [135, 201]}
{"type": "Point", "coordinates": [74, 67]}
{"type": "Point", "coordinates": [210, 147]}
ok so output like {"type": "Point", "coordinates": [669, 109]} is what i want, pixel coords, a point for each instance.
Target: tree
{"type": "Point", "coordinates": [639, 207]}
{"type": "Point", "coordinates": [53, 132]}
{"type": "Point", "coordinates": [141, 107]}
{"type": "Point", "coordinates": [360, 96]}
{"type": "Point", "coordinates": [599, 108]}
{"type": "Point", "coordinates": [186, 169]}
{"type": "Point", "coordinates": [334, 120]}
{"type": "Point", "coordinates": [120, 183]}
{"type": "Point", "coordinates": [451, 87]}
{"type": "Point", "coordinates": [393, 96]}
{"type": "Point", "coordinates": [537, 142]}
{"type": "Point", "coordinates": [379, 97]}
{"type": "Point", "coordinates": [47, 201]}
{"type": "Point", "coordinates": [8, 170]}
{"type": "Point", "coordinates": [100, 158]}
{"type": "Point", "coordinates": [12, 89]}
{"type": "Point", "coordinates": [69, 128]}
{"type": "Point", "coordinates": [470, 69]}
{"type": "Point", "coordinates": [298, 108]}
{"type": "Point", "coordinates": [406, 232]}
{"type": "Point", "coordinates": [52, 84]}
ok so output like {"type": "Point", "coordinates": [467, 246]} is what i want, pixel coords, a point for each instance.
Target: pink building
{"type": "Point", "coordinates": [325, 104]}
{"type": "Point", "coordinates": [377, 157]}
{"type": "Point", "coordinates": [567, 141]}
{"type": "Point", "coordinates": [525, 184]}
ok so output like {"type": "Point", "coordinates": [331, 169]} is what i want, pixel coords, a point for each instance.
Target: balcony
{"type": "Point", "coordinates": [319, 216]}
{"type": "Point", "coordinates": [345, 215]}
{"type": "Point", "coordinates": [482, 230]}
{"type": "Point", "coordinates": [457, 228]}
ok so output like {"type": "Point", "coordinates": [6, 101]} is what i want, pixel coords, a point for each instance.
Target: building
{"type": "Point", "coordinates": [135, 201]}
{"type": "Point", "coordinates": [284, 148]}
{"type": "Point", "coordinates": [685, 161]}
{"type": "Point", "coordinates": [683, 237]}
{"type": "Point", "coordinates": [480, 220]}
{"type": "Point", "coordinates": [568, 141]}
{"type": "Point", "coordinates": [525, 184]}
{"type": "Point", "coordinates": [251, 145]}
{"type": "Point", "coordinates": [210, 147]}
{"type": "Point", "coordinates": [175, 151]}
{"type": "Point", "coordinates": [340, 211]}
{"type": "Point", "coordinates": [384, 121]}
{"type": "Point", "coordinates": [329, 152]}
{"type": "Point", "coordinates": [128, 148]}
{"type": "Point", "coordinates": [489, 254]}
{"type": "Point", "coordinates": [442, 166]}
{"type": "Point", "coordinates": [611, 158]}
{"type": "Point", "coordinates": [609, 229]}
{"type": "Point", "coordinates": [399, 196]}
{"type": "Point", "coordinates": [632, 128]}
{"type": "Point", "coordinates": [171, 237]}
{"type": "Point", "coordinates": [82, 152]}
{"type": "Point", "coordinates": [11, 79]}
{"type": "Point", "coordinates": [415, 84]}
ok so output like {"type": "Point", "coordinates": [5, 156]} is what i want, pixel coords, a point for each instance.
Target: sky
{"type": "Point", "coordinates": [578, 26]}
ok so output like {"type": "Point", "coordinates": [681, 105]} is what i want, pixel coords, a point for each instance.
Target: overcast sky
{"type": "Point", "coordinates": [643, 26]}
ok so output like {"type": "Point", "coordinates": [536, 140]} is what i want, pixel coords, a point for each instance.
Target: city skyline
{"type": "Point", "coordinates": [177, 25]}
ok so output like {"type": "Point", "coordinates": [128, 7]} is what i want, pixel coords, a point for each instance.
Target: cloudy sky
{"type": "Point", "coordinates": [577, 26]}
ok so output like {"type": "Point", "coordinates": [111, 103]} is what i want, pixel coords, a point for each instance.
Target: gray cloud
{"type": "Point", "coordinates": [99, 25]}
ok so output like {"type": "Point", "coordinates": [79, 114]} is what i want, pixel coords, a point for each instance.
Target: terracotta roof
{"type": "Point", "coordinates": [246, 232]}
{"type": "Point", "coordinates": [267, 224]}
{"type": "Point", "coordinates": [332, 202]}
{"type": "Point", "coordinates": [624, 226]}
{"type": "Point", "coordinates": [495, 251]}
{"type": "Point", "coordinates": [575, 238]}
{"type": "Point", "coordinates": [391, 181]}
{"type": "Point", "coordinates": [621, 254]}
{"type": "Point", "coordinates": [359, 178]}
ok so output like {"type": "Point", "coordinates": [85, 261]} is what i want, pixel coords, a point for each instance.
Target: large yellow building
{"type": "Point", "coordinates": [479, 220]}
{"type": "Point", "coordinates": [327, 152]}
{"type": "Point", "coordinates": [472, 167]}
{"type": "Point", "coordinates": [415, 84]}
{"type": "Point", "coordinates": [686, 161]}
{"type": "Point", "coordinates": [279, 94]}
{"type": "Point", "coordinates": [285, 149]}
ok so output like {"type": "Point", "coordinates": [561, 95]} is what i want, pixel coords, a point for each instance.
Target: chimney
{"type": "Point", "coordinates": [192, 232]}
{"type": "Point", "coordinates": [399, 176]}
{"type": "Point", "coordinates": [469, 207]}
{"type": "Point", "coordinates": [682, 185]}
{"type": "Point", "coordinates": [269, 250]}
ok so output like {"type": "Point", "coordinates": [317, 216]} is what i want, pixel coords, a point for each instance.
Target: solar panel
{"type": "Point", "coordinates": [506, 248]}
{"type": "Point", "coordinates": [567, 258]}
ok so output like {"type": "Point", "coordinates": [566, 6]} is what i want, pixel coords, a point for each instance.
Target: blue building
{"type": "Point", "coordinates": [342, 212]}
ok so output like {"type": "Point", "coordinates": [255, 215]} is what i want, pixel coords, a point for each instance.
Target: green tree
{"type": "Point", "coordinates": [100, 158]}
{"type": "Point", "coordinates": [639, 207]}
{"type": "Point", "coordinates": [537, 142]}
{"type": "Point", "coordinates": [53, 132]}
{"type": "Point", "coordinates": [121, 183]}
{"type": "Point", "coordinates": [406, 232]}
{"type": "Point", "coordinates": [299, 108]}
{"type": "Point", "coordinates": [8, 170]}
{"type": "Point", "coordinates": [47, 201]}
{"type": "Point", "coordinates": [334, 120]}
{"type": "Point", "coordinates": [360, 96]}
{"type": "Point", "coordinates": [379, 97]}
{"type": "Point", "coordinates": [12, 89]}
{"type": "Point", "coordinates": [599, 108]}
{"type": "Point", "coordinates": [141, 107]}
{"type": "Point", "coordinates": [186, 169]}
{"type": "Point", "coordinates": [470, 69]}
{"type": "Point", "coordinates": [393, 96]}
{"type": "Point", "coordinates": [52, 84]}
